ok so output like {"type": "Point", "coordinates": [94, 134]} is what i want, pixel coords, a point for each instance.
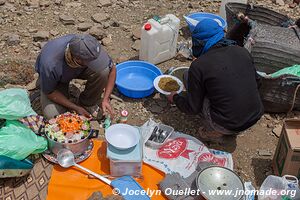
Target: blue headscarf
{"type": "Point", "coordinates": [207, 32]}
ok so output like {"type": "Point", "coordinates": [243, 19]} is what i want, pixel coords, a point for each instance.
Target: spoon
{"type": "Point", "coordinates": [157, 134]}
{"type": "Point", "coordinates": [65, 158]}
{"type": "Point", "coordinates": [163, 136]}
{"type": "Point", "coordinates": [123, 184]}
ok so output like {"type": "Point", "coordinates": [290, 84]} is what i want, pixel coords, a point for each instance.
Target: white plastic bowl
{"type": "Point", "coordinates": [122, 136]}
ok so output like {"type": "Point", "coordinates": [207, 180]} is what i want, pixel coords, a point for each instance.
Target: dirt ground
{"type": "Point", "coordinates": [27, 24]}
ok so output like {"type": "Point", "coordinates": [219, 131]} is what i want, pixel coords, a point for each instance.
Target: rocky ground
{"type": "Point", "coordinates": [26, 25]}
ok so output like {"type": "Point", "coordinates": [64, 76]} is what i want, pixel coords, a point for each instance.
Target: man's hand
{"type": "Point", "coordinates": [107, 109]}
{"type": "Point", "coordinates": [81, 111]}
{"type": "Point", "coordinates": [171, 96]}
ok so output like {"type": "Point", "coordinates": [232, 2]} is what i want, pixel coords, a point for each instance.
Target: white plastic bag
{"type": "Point", "coordinates": [249, 190]}
{"type": "Point", "coordinates": [278, 188]}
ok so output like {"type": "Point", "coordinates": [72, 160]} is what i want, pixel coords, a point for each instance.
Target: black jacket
{"type": "Point", "coordinates": [227, 77]}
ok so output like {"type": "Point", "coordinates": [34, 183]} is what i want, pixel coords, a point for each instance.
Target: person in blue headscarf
{"type": "Point", "coordinates": [221, 84]}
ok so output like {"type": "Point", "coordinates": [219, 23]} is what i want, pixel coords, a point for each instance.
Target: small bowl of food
{"type": "Point", "coordinates": [165, 84]}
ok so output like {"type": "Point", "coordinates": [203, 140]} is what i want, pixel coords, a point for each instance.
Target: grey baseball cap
{"type": "Point", "coordinates": [87, 49]}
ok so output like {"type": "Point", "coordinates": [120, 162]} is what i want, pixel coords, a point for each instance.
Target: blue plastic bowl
{"type": "Point", "coordinates": [135, 78]}
{"type": "Point", "coordinates": [202, 15]}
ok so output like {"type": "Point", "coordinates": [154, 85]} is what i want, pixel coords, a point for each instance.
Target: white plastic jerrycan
{"type": "Point", "coordinates": [159, 39]}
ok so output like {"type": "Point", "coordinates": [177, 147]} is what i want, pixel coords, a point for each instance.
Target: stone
{"type": "Point", "coordinates": [2, 2]}
{"type": "Point", "coordinates": [96, 196]}
{"type": "Point", "coordinates": [13, 39]}
{"type": "Point", "coordinates": [58, 2]}
{"type": "Point", "coordinates": [136, 33]}
{"type": "Point", "coordinates": [163, 103]}
{"type": "Point", "coordinates": [100, 17]}
{"type": "Point", "coordinates": [24, 45]}
{"type": "Point", "coordinates": [268, 117]}
{"type": "Point", "coordinates": [32, 30]}
{"type": "Point", "coordinates": [292, 5]}
{"type": "Point", "coordinates": [137, 45]}
{"type": "Point", "coordinates": [81, 19]}
{"type": "Point", "coordinates": [33, 3]}
{"type": "Point", "coordinates": [277, 130]}
{"type": "Point", "coordinates": [54, 32]}
{"type": "Point", "coordinates": [156, 109]}
{"type": "Point", "coordinates": [8, 86]}
{"type": "Point", "coordinates": [74, 89]}
{"type": "Point", "coordinates": [98, 32]}
{"type": "Point", "coordinates": [280, 2]}
{"type": "Point", "coordinates": [32, 85]}
{"type": "Point", "coordinates": [67, 20]}
{"type": "Point", "coordinates": [121, 59]}
{"type": "Point", "coordinates": [115, 24]}
{"type": "Point", "coordinates": [73, 5]}
{"type": "Point", "coordinates": [105, 25]}
{"type": "Point", "coordinates": [264, 153]}
{"type": "Point", "coordinates": [42, 44]}
{"type": "Point", "coordinates": [44, 3]}
{"type": "Point", "coordinates": [41, 36]}
{"type": "Point", "coordinates": [107, 40]}
{"type": "Point", "coordinates": [105, 3]}
{"type": "Point", "coordinates": [84, 26]}
{"type": "Point", "coordinates": [80, 81]}
{"type": "Point", "coordinates": [113, 197]}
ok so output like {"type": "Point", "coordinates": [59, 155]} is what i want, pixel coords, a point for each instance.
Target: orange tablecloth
{"type": "Point", "coordinates": [73, 184]}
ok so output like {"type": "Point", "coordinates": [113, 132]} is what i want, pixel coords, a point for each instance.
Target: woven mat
{"type": "Point", "coordinates": [31, 187]}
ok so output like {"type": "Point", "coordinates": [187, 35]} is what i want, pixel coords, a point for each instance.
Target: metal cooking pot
{"type": "Point", "coordinates": [77, 148]}
{"type": "Point", "coordinates": [215, 178]}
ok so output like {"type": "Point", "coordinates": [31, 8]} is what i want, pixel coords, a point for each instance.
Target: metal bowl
{"type": "Point", "coordinates": [215, 179]}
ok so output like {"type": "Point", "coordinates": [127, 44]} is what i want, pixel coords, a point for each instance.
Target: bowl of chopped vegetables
{"type": "Point", "coordinates": [70, 131]}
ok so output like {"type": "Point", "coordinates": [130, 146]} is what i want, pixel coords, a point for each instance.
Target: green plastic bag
{"type": "Point", "coordinates": [15, 104]}
{"type": "Point", "coordinates": [17, 141]}
{"type": "Point", "coordinates": [293, 70]}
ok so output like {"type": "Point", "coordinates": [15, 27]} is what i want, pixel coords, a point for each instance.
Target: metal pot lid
{"type": "Point", "coordinates": [220, 179]}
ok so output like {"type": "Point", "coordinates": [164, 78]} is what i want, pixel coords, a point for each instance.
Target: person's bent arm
{"type": "Point", "coordinates": [193, 101]}
{"type": "Point", "coordinates": [108, 90]}
{"type": "Point", "coordinates": [57, 97]}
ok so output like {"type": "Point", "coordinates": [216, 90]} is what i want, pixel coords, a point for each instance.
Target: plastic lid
{"type": "Point", "coordinates": [124, 113]}
{"type": "Point", "coordinates": [147, 27]}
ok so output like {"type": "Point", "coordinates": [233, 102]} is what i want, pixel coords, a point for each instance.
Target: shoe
{"type": "Point", "coordinates": [209, 136]}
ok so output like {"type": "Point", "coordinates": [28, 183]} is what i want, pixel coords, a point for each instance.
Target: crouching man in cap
{"type": "Point", "coordinates": [75, 57]}
{"type": "Point", "coordinates": [221, 84]}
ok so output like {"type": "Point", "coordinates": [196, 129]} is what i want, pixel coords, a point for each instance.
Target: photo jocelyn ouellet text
{"type": "Point", "coordinates": [189, 191]}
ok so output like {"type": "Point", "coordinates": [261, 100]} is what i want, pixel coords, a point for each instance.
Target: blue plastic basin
{"type": "Point", "coordinates": [135, 78]}
{"type": "Point", "coordinates": [202, 15]}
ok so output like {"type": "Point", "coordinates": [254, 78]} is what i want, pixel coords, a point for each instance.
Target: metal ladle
{"type": "Point", "coordinates": [65, 158]}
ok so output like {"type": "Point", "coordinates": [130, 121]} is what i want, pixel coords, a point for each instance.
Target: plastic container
{"type": "Point", "coordinates": [159, 39]}
{"type": "Point", "coordinates": [135, 78]}
{"type": "Point", "coordinates": [286, 187]}
{"type": "Point", "coordinates": [222, 11]}
{"type": "Point", "coordinates": [120, 168]}
{"type": "Point", "coordinates": [126, 162]}
{"type": "Point", "coordinates": [151, 143]}
{"type": "Point", "coordinates": [198, 16]}
{"type": "Point", "coordinates": [124, 117]}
